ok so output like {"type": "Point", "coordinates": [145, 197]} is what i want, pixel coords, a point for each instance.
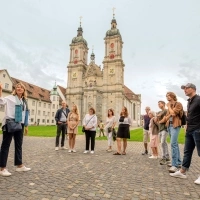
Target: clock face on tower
{"type": "Point", "coordinates": [75, 61]}
{"type": "Point", "coordinates": [112, 45]}
{"type": "Point", "coordinates": [112, 56]}
{"type": "Point", "coordinates": [74, 75]}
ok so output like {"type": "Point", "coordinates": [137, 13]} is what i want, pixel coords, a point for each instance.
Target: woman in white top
{"type": "Point", "coordinates": [12, 102]}
{"type": "Point", "coordinates": [90, 124]}
{"type": "Point", "coordinates": [110, 125]}
{"type": "Point", "coordinates": [123, 131]}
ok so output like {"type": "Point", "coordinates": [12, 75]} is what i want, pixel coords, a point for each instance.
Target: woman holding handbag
{"type": "Point", "coordinates": [72, 128]}
{"type": "Point", "coordinates": [89, 127]}
{"type": "Point", "coordinates": [110, 125]}
{"type": "Point", "coordinates": [13, 127]}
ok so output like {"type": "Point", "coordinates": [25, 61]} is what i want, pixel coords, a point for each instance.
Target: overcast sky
{"type": "Point", "coordinates": [161, 41]}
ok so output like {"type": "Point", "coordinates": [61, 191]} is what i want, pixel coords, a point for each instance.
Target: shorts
{"type": "Point", "coordinates": [145, 136]}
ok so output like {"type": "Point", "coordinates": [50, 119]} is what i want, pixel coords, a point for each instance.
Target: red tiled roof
{"type": "Point", "coordinates": [130, 94]}
{"type": "Point", "coordinates": [62, 89]}
{"type": "Point", "coordinates": [34, 91]}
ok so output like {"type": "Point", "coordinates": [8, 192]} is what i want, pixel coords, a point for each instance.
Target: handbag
{"type": "Point", "coordinates": [109, 129]}
{"type": "Point", "coordinates": [114, 134]}
{"type": "Point", "coordinates": [83, 128]}
{"type": "Point", "coordinates": [13, 126]}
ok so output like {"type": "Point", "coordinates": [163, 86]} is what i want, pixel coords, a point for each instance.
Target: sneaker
{"type": "Point", "coordinates": [5, 172]}
{"type": "Point", "coordinates": [86, 151]}
{"type": "Point", "coordinates": [64, 148]}
{"type": "Point", "coordinates": [145, 153]}
{"type": "Point", "coordinates": [197, 181]}
{"type": "Point", "coordinates": [173, 169]}
{"type": "Point", "coordinates": [73, 150]}
{"type": "Point", "coordinates": [109, 150]}
{"type": "Point", "coordinates": [153, 157]}
{"type": "Point", "coordinates": [178, 174]}
{"type": "Point", "coordinates": [92, 152]}
{"type": "Point", "coordinates": [163, 162]}
{"type": "Point", "coordinates": [70, 151]}
{"type": "Point", "coordinates": [57, 148]}
{"type": "Point", "coordinates": [22, 169]}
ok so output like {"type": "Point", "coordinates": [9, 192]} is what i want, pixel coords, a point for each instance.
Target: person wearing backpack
{"type": "Point", "coordinates": [61, 122]}
{"type": "Point", "coordinates": [192, 136]}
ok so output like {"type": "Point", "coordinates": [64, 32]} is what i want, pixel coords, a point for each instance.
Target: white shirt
{"type": "Point", "coordinates": [10, 102]}
{"type": "Point", "coordinates": [91, 121]}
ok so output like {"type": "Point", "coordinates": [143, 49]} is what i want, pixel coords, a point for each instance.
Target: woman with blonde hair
{"type": "Point", "coordinates": [72, 127]}
{"type": "Point", "coordinates": [153, 130]}
{"type": "Point", "coordinates": [123, 131]}
{"type": "Point", "coordinates": [13, 127]}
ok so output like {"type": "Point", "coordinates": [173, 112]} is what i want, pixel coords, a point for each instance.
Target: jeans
{"type": "Point", "coordinates": [61, 128]}
{"type": "Point", "coordinates": [88, 135]}
{"type": "Point", "coordinates": [192, 139]}
{"type": "Point", "coordinates": [175, 153]}
{"type": "Point", "coordinates": [164, 147]}
{"type": "Point", "coordinates": [18, 140]}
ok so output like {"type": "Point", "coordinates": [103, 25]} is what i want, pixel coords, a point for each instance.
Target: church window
{"type": "Point", "coordinates": [4, 75]}
{"type": "Point", "coordinates": [6, 85]}
{"type": "Point", "coordinates": [54, 98]}
{"type": "Point", "coordinates": [112, 45]}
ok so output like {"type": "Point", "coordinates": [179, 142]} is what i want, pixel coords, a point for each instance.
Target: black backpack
{"type": "Point", "coordinates": [183, 119]}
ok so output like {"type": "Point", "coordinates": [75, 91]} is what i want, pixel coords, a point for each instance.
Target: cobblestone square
{"type": "Point", "coordinates": [59, 175]}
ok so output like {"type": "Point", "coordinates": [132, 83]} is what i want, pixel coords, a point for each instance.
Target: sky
{"type": "Point", "coordinates": [161, 49]}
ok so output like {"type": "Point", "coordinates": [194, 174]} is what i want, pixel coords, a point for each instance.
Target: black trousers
{"type": "Point", "coordinates": [18, 140]}
{"type": "Point", "coordinates": [61, 128]}
{"type": "Point", "coordinates": [90, 135]}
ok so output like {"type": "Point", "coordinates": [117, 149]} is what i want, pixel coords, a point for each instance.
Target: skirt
{"type": "Point", "coordinates": [154, 140]}
{"type": "Point", "coordinates": [123, 131]}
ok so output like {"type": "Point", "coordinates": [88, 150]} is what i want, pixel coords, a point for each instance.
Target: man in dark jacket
{"type": "Point", "coordinates": [192, 136]}
{"type": "Point", "coordinates": [61, 122]}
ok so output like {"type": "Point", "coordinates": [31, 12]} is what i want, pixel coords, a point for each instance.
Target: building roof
{"type": "Point", "coordinates": [129, 94]}
{"type": "Point", "coordinates": [62, 89]}
{"type": "Point", "coordinates": [34, 91]}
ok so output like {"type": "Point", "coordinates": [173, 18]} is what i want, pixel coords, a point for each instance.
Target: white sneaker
{"type": "Point", "coordinates": [178, 174]}
{"type": "Point", "coordinates": [173, 169]}
{"type": "Point", "coordinates": [86, 151]}
{"type": "Point", "coordinates": [57, 148]}
{"type": "Point", "coordinates": [153, 157]}
{"type": "Point", "coordinates": [22, 169]}
{"type": "Point", "coordinates": [73, 150]}
{"type": "Point", "coordinates": [70, 151]}
{"type": "Point", "coordinates": [197, 181]}
{"type": "Point", "coordinates": [92, 152]}
{"type": "Point", "coordinates": [5, 172]}
{"type": "Point", "coordinates": [64, 148]}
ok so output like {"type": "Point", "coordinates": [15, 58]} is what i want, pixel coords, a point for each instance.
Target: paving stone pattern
{"type": "Point", "coordinates": [59, 175]}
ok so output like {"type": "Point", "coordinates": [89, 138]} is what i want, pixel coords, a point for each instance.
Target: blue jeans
{"type": "Point", "coordinates": [192, 139]}
{"type": "Point", "coordinates": [175, 153]}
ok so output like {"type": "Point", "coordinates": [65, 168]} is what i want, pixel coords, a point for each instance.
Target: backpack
{"type": "Point", "coordinates": [183, 119]}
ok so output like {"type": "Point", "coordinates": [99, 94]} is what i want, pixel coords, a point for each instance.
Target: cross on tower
{"type": "Point", "coordinates": [80, 19]}
{"type": "Point", "coordinates": [113, 12]}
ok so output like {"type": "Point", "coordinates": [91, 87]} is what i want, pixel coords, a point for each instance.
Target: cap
{"type": "Point", "coordinates": [188, 85]}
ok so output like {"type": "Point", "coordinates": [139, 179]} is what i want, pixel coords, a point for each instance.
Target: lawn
{"type": "Point", "coordinates": [50, 131]}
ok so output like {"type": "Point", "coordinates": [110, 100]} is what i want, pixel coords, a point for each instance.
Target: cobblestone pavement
{"type": "Point", "coordinates": [59, 175]}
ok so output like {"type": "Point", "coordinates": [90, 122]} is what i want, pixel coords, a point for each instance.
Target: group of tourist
{"type": "Point", "coordinates": [67, 122]}
{"type": "Point", "coordinates": [156, 125]}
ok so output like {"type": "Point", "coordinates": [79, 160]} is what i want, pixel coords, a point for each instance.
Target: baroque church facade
{"type": "Point", "coordinates": [90, 86]}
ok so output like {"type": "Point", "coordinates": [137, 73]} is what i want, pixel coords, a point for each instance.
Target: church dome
{"type": "Point", "coordinates": [113, 31]}
{"type": "Point", "coordinates": [79, 37]}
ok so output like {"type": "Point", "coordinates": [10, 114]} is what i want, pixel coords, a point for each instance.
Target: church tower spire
{"type": "Point", "coordinates": [113, 70]}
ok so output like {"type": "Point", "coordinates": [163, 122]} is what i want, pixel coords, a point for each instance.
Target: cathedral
{"type": "Point", "coordinates": [90, 86]}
